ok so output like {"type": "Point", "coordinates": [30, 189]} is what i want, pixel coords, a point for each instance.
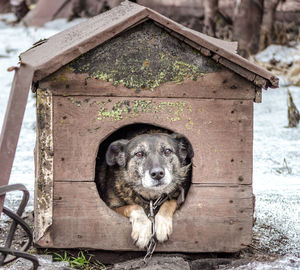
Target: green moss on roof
{"type": "Point", "coordinates": [143, 57]}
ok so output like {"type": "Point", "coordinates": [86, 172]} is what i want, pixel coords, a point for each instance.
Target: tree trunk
{"type": "Point", "coordinates": [90, 8]}
{"type": "Point", "coordinates": [4, 6]}
{"type": "Point", "coordinates": [246, 25]}
{"type": "Point", "coordinates": [19, 8]}
{"type": "Point", "coordinates": [267, 29]}
{"type": "Point", "coordinates": [210, 16]}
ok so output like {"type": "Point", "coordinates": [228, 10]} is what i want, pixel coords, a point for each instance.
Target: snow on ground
{"type": "Point", "coordinates": [277, 174]}
{"type": "Point", "coordinates": [276, 148]}
{"type": "Point", "coordinates": [283, 54]}
{"type": "Point", "coordinates": [277, 164]}
{"type": "Point", "coordinates": [284, 263]}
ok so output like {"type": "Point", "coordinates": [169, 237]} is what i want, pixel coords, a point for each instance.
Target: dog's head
{"type": "Point", "coordinates": [153, 163]}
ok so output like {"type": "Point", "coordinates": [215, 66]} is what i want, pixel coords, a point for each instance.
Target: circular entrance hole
{"type": "Point", "coordinates": [109, 177]}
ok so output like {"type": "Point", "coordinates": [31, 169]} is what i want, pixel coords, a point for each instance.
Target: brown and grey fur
{"type": "Point", "coordinates": [144, 168]}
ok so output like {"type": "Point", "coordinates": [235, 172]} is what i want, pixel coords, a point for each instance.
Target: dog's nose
{"type": "Point", "coordinates": [157, 173]}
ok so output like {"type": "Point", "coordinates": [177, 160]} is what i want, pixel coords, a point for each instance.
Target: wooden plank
{"type": "Point", "coordinates": [220, 85]}
{"type": "Point", "coordinates": [12, 122]}
{"type": "Point", "coordinates": [43, 164]}
{"type": "Point", "coordinates": [258, 95]}
{"type": "Point", "coordinates": [212, 219]}
{"type": "Point", "coordinates": [239, 69]}
{"type": "Point", "coordinates": [220, 131]}
{"type": "Point", "coordinates": [260, 82]}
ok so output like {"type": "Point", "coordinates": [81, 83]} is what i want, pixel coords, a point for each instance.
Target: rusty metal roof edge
{"type": "Point", "coordinates": [272, 80]}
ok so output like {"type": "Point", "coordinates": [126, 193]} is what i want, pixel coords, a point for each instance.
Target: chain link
{"type": "Point", "coordinates": [152, 207]}
{"type": "Point", "coordinates": [152, 243]}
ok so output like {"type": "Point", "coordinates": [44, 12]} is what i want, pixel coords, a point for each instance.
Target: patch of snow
{"type": "Point", "coordinates": [276, 178]}
{"type": "Point", "coordinates": [7, 18]}
{"type": "Point", "coordinates": [284, 263]}
{"type": "Point", "coordinates": [283, 81]}
{"type": "Point", "coordinates": [279, 53]}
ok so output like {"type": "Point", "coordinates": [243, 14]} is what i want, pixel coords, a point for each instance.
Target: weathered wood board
{"type": "Point", "coordinates": [219, 130]}
{"type": "Point", "coordinates": [212, 219]}
{"type": "Point", "coordinates": [43, 190]}
{"type": "Point", "coordinates": [217, 85]}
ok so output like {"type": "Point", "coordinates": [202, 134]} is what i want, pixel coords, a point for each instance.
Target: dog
{"type": "Point", "coordinates": [144, 168]}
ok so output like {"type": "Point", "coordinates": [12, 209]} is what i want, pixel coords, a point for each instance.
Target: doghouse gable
{"type": "Point", "coordinates": [158, 73]}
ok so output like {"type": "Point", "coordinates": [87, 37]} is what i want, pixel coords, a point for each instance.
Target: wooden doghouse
{"type": "Point", "coordinates": [128, 66]}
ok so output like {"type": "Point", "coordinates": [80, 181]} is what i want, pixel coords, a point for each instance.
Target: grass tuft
{"type": "Point", "coordinates": [82, 261]}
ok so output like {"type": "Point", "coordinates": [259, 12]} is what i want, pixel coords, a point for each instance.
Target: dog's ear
{"type": "Point", "coordinates": [115, 153]}
{"type": "Point", "coordinates": [185, 148]}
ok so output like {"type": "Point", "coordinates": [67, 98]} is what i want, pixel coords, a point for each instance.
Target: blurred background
{"type": "Point", "coordinates": [254, 23]}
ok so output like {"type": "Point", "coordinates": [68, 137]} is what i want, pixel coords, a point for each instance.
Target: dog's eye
{"type": "Point", "coordinates": [140, 154]}
{"type": "Point", "coordinates": [167, 151]}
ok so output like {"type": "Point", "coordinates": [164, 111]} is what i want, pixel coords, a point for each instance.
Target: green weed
{"type": "Point", "coordinates": [82, 261]}
{"type": "Point", "coordinates": [285, 169]}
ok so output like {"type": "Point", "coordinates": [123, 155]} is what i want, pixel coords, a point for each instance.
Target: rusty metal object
{"type": "Point", "coordinates": [7, 253]}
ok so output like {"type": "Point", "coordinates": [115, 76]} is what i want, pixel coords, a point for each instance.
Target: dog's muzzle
{"type": "Point", "coordinates": [156, 178]}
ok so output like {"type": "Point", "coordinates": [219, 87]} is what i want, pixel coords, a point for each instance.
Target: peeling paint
{"type": "Point", "coordinates": [44, 167]}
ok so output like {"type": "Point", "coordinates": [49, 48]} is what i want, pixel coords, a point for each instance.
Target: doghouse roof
{"type": "Point", "coordinates": [47, 56]}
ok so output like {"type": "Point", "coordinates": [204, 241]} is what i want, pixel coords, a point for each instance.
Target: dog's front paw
{"type": "Point", "coordinates": [163, 227]}
{"type": "Point", "coordinates": [141, 228]}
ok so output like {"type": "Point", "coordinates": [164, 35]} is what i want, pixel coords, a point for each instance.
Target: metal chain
{"type": "Point", "coordinates": [152, 243]}
{"type": "Point", "coordinates": [160, 200]}
{"type": "Point", "coordinates": [152, 207]}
